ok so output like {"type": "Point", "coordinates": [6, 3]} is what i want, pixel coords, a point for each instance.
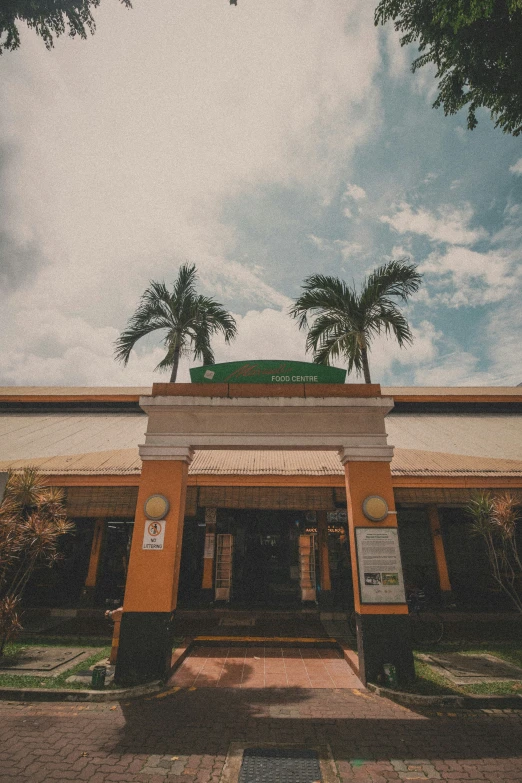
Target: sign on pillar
{"type": "Point", "coordinates": [379, 565]}
{"type": "Point", "coordinates": [154, 534]}
{"type": "Point", "coordinates": [383, 632]}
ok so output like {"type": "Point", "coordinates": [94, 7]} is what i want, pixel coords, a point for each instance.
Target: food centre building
{"type": "Point", "coordinates": [265, 486]}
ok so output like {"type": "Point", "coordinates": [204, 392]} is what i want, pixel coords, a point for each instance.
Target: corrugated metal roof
{"type": "Point", "coordinates": [116, 462]}
{"type": "Point", "coordinates": [106, 443]}
{"type": "Point", "coordinates": [259, 463]}
{"type": "Point", "coordinates": [406, 462]}
{"type": "Point", "coordinates": [451, 391]}
{"type": "Point", "coordinates": [413, 462]}
{"type": "Point", "coordinates": [26, 436]}
{"type": "Point", "coordinates": [73, 391]}
{"type": "Point", "coordinates": [494, 436]}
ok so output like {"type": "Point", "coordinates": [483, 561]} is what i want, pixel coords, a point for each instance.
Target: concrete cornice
{"type": "Point", "coordinates": [166, 452]}
{"type": "Point", "coordinates": [349, 424]}
{"type": "Point", "coordinates": [356, 448]}
{"type": "Point", "coordinates": [385, 404]}
{"type": "Point", "coordinates": [363, 453]}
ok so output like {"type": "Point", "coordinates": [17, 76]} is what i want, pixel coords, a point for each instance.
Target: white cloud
{"type": "Point", "coordinates": [54, 349]}
{"type": "Point", "coordinates": [386, 355]}
{"type": "Point", "coordinates": [347, 212]}
{"type": "Point", "coordinates": [461, 133]}
{"type": "Point", "coordinates": [60, 350]}
{"type": "Point", "coordinates": [355, 192]}
{"type": "Point", "coordinates": [318, 242]}
{"type": "Point", "coordinates": [456, 369]}
{"type": "Point", "coordinates": [398, 63]}
{"type": "Point", "coordinates": [516, 168]}
{"type": "Point", "coordinates": [468, 278]}
{"type": "Point", "coordinates": [123, 150]}
{"type": "Point", "coordinates": [501, 339]}
{"type": "Point", "coordinates": [449, 224]}
{"type": "Point", "coordinates": [510, 235]}
{"type": "Point", "coordinates": [349, 249]}
{"type": "Point", "coordinates": [265, 334]}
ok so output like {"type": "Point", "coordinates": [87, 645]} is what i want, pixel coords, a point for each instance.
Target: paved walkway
{"type": "Point", "coordinates": [265, 667]}
{"type": "Point", "coordinates": [183, 736]}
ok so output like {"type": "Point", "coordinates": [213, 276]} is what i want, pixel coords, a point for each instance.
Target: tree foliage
{"type": "Point", "coordinates": [476, 46]}
{"type": "Point", "coordinates": [49, 18]}
{"type": "Point", "coordinates": [32, 519]}
{"type": "Point", "coordinates": [342, 322]}
{"type": "Point", "coordinates": [494, 518]}
{"type": "Point", "coordinates": [190, 321]}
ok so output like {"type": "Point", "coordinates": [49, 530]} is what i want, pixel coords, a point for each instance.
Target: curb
{"type": "Point", "coordinates": [459, 702]}
{"type": "Point", "coordinates": [68, 694]}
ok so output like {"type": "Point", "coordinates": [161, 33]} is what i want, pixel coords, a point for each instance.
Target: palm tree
{"type": "Point", "coordinates": [189, 318]}
{"type": "Point", "coordinates": [346, 321]}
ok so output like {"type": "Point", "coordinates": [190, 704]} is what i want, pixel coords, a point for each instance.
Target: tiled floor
{"type": "Point", "coordinates": [264, 667]}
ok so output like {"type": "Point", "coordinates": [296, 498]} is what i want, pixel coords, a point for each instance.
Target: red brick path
{"type": "Point", "coordinates": [265, 667]}
{"type": "Point", "coordinates": [183, 736]}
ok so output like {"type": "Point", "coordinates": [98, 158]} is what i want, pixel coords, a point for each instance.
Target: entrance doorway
{"type": "Point", "coordinates": [265, 570]}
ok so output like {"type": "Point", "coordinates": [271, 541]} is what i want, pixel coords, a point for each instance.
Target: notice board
{"type": "Point", "coordinates": [381, 579]}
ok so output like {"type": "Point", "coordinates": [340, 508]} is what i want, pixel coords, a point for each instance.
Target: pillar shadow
{"type": "Point", "coordinates": [354, 724]}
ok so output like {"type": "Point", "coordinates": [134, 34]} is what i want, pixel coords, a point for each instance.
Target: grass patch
{"type": "Point", "coordinates": [100, 652]}
{"type": "Point", "coordinates": [429, 682]}
{"type": "Point", "coordinates": [62, 641]}
{"type": "Point", "coordinates": [49, 683]}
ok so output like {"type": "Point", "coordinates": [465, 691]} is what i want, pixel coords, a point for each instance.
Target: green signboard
{"type": "Point", "coordinates": [267, 371]}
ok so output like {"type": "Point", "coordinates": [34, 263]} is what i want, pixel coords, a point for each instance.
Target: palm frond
{"type": "Point", "coordinates": [127, 340]}
{"type": "Point", "coordinates": [342, 323]}
{"type": "Point", "coordinates": [389, 319]}
{"type": "Point", "coordinates": [185, 284]}
{"type": "Point", "coordinates": [395, 278]}
{"type": "Point", "coordinates": [322, 292]}
{"type": "Point", "coordinates": [216, 318]}
{"type": "Point", "coordinates": [188, 318]}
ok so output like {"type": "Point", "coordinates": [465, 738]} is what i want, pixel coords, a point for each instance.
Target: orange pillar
{"type": "Point", "coordinates": [98, 537]}
{"type": "Point", "coordinates": [152, 580]}
{"type": "Point", "coordinates": [324, 562]}
{"type": "Point", "coordinates": [438, 548]}
{"type": "Point", "coordinates": [380, 603]}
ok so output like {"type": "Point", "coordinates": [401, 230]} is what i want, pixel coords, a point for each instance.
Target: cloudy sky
{"type": "Point", "coordinates": [263, 142]}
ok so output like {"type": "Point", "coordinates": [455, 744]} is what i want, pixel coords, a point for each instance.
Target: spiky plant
{"type": "Point", "coordinates": [494, 518]}
{"type": "Point", "coordinates": [189, 319]}
{"type": "Point", "coordinates": [32, 520]}
{"type": "Point", "coordinates": [342, 322]}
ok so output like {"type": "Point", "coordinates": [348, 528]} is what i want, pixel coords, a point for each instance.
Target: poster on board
{"type": "Point", "coordinates": [380, 570]}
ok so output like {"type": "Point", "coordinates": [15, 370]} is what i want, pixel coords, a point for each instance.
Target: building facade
{"type": "Point", "coordinates": [266, 511]}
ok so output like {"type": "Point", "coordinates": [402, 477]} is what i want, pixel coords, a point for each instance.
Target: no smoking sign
{"type": "Point", "coordinates": [154, 534]}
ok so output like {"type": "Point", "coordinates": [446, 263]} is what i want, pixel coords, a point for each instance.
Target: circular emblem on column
{"type": "Point", "coordinates": [375, 508]}
{"type": "Point", "coordinates": [156, 507]}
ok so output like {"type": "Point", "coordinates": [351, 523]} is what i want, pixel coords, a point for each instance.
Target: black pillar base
{"type": "Point", "coordinates": [384, 638]}
{"type": "Point", "coordinates": [145, 648]}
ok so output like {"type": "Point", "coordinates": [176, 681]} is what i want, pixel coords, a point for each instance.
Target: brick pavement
{"type": "Point", "coordinates": [183, 736]}
{"type": "Point", "coordinates": [265, 667]}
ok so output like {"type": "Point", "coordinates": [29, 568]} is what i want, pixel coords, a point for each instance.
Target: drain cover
{"type": "Point", "coordinates": [280, 765]}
